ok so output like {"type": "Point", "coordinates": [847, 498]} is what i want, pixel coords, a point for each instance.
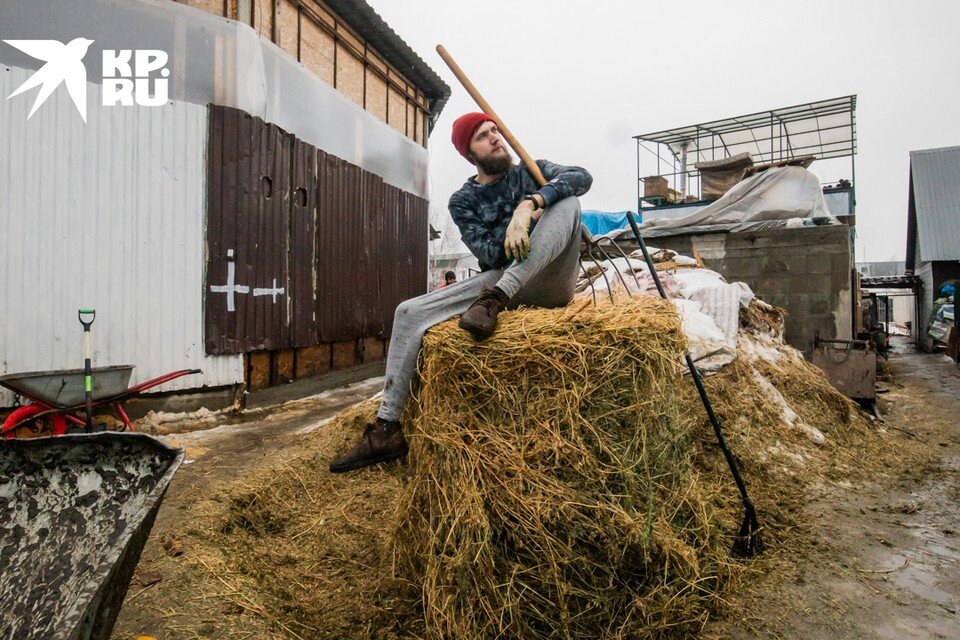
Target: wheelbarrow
{"type": "Point", "coordinates": [58, 402]}
{"type": "Point", "coordinates": [77, 512]}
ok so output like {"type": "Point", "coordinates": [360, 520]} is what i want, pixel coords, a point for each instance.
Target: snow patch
{"type": "Point", "coordinates": [789, 416]}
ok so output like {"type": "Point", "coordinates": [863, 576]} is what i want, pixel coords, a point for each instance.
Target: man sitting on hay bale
{"type": "Point", "coordinates": [494, 211]}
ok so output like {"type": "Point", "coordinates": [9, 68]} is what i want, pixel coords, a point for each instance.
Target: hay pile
{"type": "Point", "coordinates": [552, 492]}
{"type": "Point", "coordinates": [563, 482]}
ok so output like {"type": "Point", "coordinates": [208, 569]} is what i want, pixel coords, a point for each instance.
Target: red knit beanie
{"type": "Point", "coordinates": [464, 128]}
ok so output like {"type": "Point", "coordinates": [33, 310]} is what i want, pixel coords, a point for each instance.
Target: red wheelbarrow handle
{"type": "Point", "coordinates": [143, 386]}
{"type": "Point", "coordinates": [120, 397]}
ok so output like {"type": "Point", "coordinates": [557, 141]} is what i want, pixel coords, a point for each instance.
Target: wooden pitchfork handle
{"type": "Point", "coordinates": [487, 109]}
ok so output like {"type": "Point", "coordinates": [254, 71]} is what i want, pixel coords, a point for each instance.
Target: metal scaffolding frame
{"type": "Point", "coordinates": [824, 129]}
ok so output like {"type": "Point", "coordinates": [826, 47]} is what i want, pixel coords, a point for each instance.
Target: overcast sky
{"type": "Point", "coordinates": [575, 80]}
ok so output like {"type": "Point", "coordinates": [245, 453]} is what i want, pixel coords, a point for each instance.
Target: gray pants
{"type": "Point", "coordinates": [546, 278]}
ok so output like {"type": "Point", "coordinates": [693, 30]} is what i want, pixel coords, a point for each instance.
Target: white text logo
{"type": "Point", "coordinates": [125, 84]}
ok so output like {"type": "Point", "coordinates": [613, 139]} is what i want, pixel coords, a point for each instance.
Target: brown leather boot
{"type": "Point", "coordinates": [382, 441]}
{"type": "Point", "coordinates": [480, 319]}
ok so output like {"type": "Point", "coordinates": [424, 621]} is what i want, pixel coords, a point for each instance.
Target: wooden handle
{"type": "Point", "coordinates": [487, 109]}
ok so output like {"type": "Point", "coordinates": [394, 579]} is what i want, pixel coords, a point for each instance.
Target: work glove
{"type": "Point", "coordinates": [517, 242]}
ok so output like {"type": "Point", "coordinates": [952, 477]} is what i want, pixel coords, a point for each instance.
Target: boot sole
{"type": "Point", "coordinates": [476, 332]}
{"type": "Point", "coordinates": [369, 462]}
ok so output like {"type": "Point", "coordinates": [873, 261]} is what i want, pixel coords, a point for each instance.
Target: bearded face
{"type": "Point", "coordinates": [488, 151]}
{"type": "Point", "coordinates": [495, 164]}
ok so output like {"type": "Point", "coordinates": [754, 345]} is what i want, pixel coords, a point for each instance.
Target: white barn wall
{"type": "Point", "coordinates": [107, 214]}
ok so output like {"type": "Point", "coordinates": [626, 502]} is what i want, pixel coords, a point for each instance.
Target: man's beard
{"type": "Point", "coordinates": [495, 165]}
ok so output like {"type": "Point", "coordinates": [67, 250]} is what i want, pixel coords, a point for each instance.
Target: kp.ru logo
{"type": "Point", "coordinates": [124, 84]}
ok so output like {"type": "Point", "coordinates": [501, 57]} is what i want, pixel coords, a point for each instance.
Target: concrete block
{"type": "Point", "coordinates": [841, 263]}
{"type": "Point", "coordinates": [711, 246]}
{"type": "Point", "coordinates": [778, 300]}
{"type": "Point", "coordinates": [810, 284]}
{"type": "Point", "coordinates": [768, 286]}
{"type": "Point", "coordinates": [779, 264]}
{"type": "Point", "coordinates": [346, 354]}
{"type": "Point", "coordinates": [819, 304]}
{"type": "Point", "coordinates": [258, 370]}
{"type": "Point", "coordinates": [819, 264]}
{"type": "Point", "coordinates": [312, 361]}
{"type": "Point", "coordinates": [824, 322]}
{"type": "Point", "coordinates": [826, 249]}
{"type": "Point", "coordinates": [734, 269]}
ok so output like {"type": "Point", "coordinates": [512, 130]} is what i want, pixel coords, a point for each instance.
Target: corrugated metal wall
{"type": "Point", "coordinates": [107, 214]}
{"type": "Point", "coordinates": [330, 248]}
{"type": "Point", "coordinates": [247, 234]}
{"type": "Point", "coordinates": [303, 245]}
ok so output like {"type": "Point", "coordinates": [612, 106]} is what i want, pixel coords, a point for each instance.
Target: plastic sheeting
{"type": "Point", "coordinates": [708, 305]}
{"type": "Point", "coordinates": [219, 61]}
{"type": "Point", "coordinates": [602, 222]}
{"type": "Point", "coordinates": [766, 200]}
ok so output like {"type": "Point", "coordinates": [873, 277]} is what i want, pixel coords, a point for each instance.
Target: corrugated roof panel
{"type": "Point", "coordinates": [107, 214]}
{"type": "Point", "coordinates": [936, 189]}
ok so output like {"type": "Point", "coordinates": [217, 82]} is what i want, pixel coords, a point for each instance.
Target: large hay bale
{"type": "Point", "coordinates": [551, 492]}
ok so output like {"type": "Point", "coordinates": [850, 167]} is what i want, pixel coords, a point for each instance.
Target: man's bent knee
{"type": "Point", "coordinates": [570, 204]}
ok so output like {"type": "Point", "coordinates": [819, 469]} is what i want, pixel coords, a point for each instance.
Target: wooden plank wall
{"type": "Point", "coordinates": [312, 34]}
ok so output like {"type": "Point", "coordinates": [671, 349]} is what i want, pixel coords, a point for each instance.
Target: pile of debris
{"type": "Point", "coordinates": [942, 317]}
{"type": "Point", "coordinates": [563, 479]}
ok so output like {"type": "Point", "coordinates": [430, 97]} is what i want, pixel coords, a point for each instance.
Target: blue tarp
{"type": "Point", "coordinates": [601, 222]}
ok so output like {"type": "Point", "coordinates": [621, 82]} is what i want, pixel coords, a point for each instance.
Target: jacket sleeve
{"type": "Point", "coordinates": [563, 182]}
{"type": "Point", "coordinates": [485, 244]}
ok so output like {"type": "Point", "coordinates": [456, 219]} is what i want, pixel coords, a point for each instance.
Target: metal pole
{"type": "Point", "coordinates": [683, 169]}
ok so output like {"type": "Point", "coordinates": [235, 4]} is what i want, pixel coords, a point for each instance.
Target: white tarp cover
{"type": "Point", "coordinates": [782, 195]}
{"type": "Point", "coordinates": [708, 305]}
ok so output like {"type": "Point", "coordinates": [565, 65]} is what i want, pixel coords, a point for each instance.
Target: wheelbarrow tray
{"type": "Point", "coordinates": [65, 388]}
{"type": "Point", "coordinates": [77, 512]}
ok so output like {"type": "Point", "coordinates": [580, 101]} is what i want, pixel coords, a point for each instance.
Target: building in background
{"type": "Point", "coordinates": [463, 264]}
{"type": "Point", "coordinates": [260, 224]}
{"type": "Point", "coordinates": [799, 260]}
{"type": "Point", "coordinates": [895, 305]}
{"type": "Point", "coordinates": [933, 239]}
{"type": "Point", "coordinates": [888, 268]}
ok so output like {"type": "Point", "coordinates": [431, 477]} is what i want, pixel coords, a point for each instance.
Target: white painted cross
{"type": "Point", "coordinates": [270, 292]}
{"type": "Point", "coordinates": [231, 288]}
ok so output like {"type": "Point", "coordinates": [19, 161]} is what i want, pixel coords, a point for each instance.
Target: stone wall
{"type": "Point", "coordinates": [806, 271]}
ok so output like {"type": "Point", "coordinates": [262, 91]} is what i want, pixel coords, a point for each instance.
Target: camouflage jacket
{"type": "Point", "coordinates": [482, 212]}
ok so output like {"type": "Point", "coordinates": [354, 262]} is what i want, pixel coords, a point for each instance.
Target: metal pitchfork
{"type": "Point", "coordinates": [748, 542]}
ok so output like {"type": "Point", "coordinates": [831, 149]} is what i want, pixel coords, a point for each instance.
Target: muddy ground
{"type": "Point", "coordinates": [882, 556]}
{"type": "Point", "coordinates": [879, 559]}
